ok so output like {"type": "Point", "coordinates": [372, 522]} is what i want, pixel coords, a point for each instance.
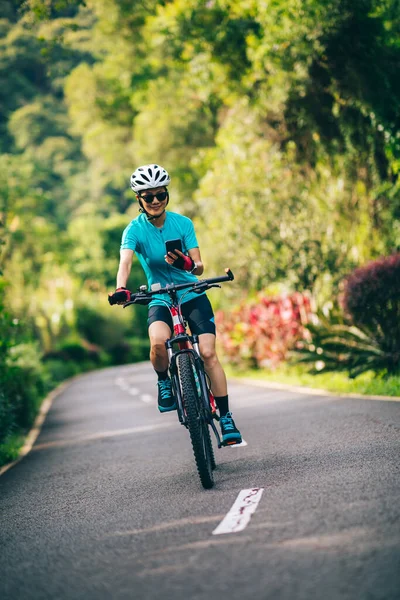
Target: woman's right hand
{"type": "Point", "coordinates": [120, 296]}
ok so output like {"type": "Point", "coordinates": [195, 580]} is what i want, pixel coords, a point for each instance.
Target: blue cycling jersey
{"type": "Point", "coordinates": [148, 243]}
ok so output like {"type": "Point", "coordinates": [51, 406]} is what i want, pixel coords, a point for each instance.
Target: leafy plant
{"type": "Point", "coordinates": [341, 348]}
{"type": "Point", "coordinates": [371, 301]}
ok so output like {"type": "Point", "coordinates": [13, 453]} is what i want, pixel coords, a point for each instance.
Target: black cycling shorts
{"type": "Point", "coordinates": [197, 312]}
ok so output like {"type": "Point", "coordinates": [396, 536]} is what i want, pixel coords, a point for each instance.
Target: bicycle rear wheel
{"type": "Point", "coordinates": [197, 424]}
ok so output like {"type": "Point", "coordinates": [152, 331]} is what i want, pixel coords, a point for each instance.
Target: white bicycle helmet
{"type": "Point", "coordinates": [149, 176]}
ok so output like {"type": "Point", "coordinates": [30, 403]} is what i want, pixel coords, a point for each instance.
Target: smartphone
{"type": "Point", "coordinates": [171, 245]}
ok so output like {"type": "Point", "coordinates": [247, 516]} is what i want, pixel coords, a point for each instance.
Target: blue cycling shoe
{"type": "Point", "coordinates": [166, 401]}
{"type": "Point", "coordinates": [230, 433]}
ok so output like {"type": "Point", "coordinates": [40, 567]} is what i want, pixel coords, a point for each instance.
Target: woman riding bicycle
{"type": "Point", "coordinates": [146, 236]}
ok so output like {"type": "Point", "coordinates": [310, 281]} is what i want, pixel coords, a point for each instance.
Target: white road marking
{"type": "Point", "coordinates": [146, 398]}
{"type": "Point", "coordinates": [142, 378]}
{"type": "Point", "coordinates": [120, 382]}
{"type": "Point", "coordinates": [123, 384]}
{"type": "Point", "coordinates": [240, 514]}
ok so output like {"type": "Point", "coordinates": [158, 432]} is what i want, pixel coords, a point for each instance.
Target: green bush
{"type": "Point", "coordinates": [372, 299]}
{"type": "Point", "coordinates": [76, 350]}
{"type": "Point", "coordinates": [105, 330]}
{"type": "Point", "coordinates": [131, 350]}
{"type": "Point", "coordinates": [73, 356]}
{"type": "Point", "coordinates": [58, 370]}
{"type": "Point", "coordinates": [23, 383]}
{"type": "Point", "coordinates": [368, 338]}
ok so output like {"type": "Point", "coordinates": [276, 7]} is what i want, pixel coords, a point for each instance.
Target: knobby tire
{"type": "Point", "coordinates": [210, 448]}
{"type": "Point", "coordinates": [198, 428]}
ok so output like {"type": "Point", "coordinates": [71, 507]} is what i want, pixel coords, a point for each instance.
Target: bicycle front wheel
{"type": "Point", "coordinates": [197, 424]}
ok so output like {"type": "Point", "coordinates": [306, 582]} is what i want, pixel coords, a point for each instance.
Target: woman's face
{"type": "Point", "coordinates": [153, 204]}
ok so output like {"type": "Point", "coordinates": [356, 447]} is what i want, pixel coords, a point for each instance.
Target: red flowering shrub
{"type": "Point", "coordinates": [261, 332]}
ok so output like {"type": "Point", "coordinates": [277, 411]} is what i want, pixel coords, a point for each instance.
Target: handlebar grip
{"type": "Point", "coordinates": [228, 277]}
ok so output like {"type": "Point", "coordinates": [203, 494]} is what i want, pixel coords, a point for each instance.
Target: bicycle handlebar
{"type": "Point", "coordinates": [146, 296]}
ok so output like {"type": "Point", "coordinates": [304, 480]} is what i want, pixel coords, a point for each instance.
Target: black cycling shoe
{"type": "Point", "coordinates": [166, 401]}
{"type": "Point", "coordinates": [230, 433]}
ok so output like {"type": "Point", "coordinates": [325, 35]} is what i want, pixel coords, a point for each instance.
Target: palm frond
{"type": "Point", "coordinates": [341, 347]}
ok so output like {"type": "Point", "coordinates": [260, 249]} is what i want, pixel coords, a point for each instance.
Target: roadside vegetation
{"type": "Point", "coordinates": [279, 123]}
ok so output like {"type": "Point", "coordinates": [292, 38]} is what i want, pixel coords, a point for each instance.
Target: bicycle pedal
{"type": "Point", "coordinates": [232, 443]}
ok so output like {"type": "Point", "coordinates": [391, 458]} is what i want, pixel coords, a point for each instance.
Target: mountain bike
{"type": "Point", "coordinates": [191, 385]}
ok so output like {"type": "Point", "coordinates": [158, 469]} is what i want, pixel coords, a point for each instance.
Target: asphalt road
{"type": "Point", "coordinates": [108, 504]}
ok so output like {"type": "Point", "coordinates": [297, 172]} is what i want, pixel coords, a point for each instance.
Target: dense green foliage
{"type": "Point", "coordinates": [22, 381]}
{"type": "Point", "coordinates": [278, 121]}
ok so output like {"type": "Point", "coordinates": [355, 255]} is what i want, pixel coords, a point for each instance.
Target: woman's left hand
{"type": "Point", "coordinates": [179, 260]}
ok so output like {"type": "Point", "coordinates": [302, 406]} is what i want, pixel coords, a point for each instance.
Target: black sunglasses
{"type": "Point", "coordinates": [148, 198]}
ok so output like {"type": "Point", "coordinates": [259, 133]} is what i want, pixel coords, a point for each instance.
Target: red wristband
{"type": "Point", "coordinates": [188, 263]}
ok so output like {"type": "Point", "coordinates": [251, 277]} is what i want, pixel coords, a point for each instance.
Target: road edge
{"type": "Point", "coordinates": [311, 391]}
{"type": "Point", "coordinates": [44, 409]}
{"type": "Point", "coordinates": [38, 423]}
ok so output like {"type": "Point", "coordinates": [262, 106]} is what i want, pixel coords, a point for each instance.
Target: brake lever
{"type": "Point", "coordinates": [143, 300]}
{"type": "Point", "coordinates": [201, 287]}
{"type": "Point", "coordinates": [128, 303]}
